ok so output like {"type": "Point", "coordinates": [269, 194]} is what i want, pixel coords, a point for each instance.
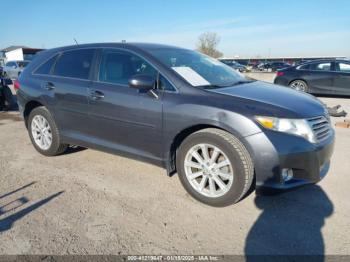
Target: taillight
{"type": "Point", "coordinates": [279, 73]}
{"type": "Point", "coordinates": [16, 85]}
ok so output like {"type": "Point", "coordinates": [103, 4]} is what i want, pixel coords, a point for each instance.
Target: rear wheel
{"type": "Point", "coordinates": [43, 132]}
{"type": "Point", "coordinates": [299, 85]}
{"type": "Point", "coordinates": [214, 167]}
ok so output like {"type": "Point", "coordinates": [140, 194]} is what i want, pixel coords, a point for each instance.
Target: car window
{"type": "Point", "coordinates": [164, 84]}
{"type": "Point", "coordinates": [325, 66]}
{"type": "Point", "coordinates": [118, 67]}
{"type": "Point", "coordinates": [45, 68]}
{"type": "Point", "coordinates": [76, 63]}
{"type": "Point", "coordinates": [343, 67]}
{"type": "Point", "coordinates": [197, 69]}
{"type": "Point", "coordinates": [10, 64]}
{"type": "Point", "coordinates": [22, 63]}
{"type": "Point", "coordinates": [304, 67]}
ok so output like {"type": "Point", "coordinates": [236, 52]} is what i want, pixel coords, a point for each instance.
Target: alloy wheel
{"type": "Point", "coordinates": [208, 170]}
{"type": "Point", "coordinates": [298, 85]}
{"type": "Point", "coordinates": [41, 132]}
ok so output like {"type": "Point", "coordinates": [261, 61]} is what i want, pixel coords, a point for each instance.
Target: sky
{"type": "Point", "coordinates": [265, 28]}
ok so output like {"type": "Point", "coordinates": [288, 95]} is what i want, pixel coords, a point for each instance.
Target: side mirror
{"type": "Point", "coordinates": [140, 81]}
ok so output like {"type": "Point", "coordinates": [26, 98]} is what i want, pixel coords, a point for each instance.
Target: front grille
{"type": "Point", "coordinates": [321, 127]}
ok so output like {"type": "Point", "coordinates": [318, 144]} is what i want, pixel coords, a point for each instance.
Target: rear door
{"type": "Point", "coordinates": [319, 77]}
{"type": "Point", "coordinates": [342, 78]}
{"type": "Point", "coordinates": [123, 118]}
{"type": "Point", "coordinates": [66, 89]}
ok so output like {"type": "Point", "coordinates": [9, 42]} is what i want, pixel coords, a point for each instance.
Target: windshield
{"type": "Point", "coordinates": [197, 69]}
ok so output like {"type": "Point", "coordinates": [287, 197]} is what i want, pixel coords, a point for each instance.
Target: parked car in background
{"type": "Point", "coordinates": [260, 66]}
{"type": "Point", "coordinates": [318, 77]}
{"type": "Point", "coordinates": [273, 66]}
{"type": "Point", "coordinates": [176, 108]}
{"type": "Point", "coordinates": [235, 65]}
{"type": "Point", "coordinates": [13, 69]}
{"type": "Point", "coordinates": [252, 66]}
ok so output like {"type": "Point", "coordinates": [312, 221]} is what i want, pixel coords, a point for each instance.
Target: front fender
{"type": "Point", "coordinates": [182, 120]}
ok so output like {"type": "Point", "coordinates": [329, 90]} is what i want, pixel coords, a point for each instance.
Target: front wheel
{"type": "Point", "coordinates": [43, 132]}
{"type": "Point", "coordinates": [299, 85]}
{"type": "Point", "coordinates": [214, 167]}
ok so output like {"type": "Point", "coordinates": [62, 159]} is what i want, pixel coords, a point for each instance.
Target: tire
{"type": "Point", "coordinates": [50, 149]}
{"type": "Point", "coordinates": [239, 172]}
{"type": "Point", "coordinates": [299, 85]}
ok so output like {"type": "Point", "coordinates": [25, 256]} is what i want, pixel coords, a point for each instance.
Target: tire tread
{"type": "Point", "coordinates": [57, 147]}
{"type": "Point", "coordinates": [242, 151]}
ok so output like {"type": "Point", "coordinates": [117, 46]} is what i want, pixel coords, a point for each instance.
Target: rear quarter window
{"type": "Point", "coordinates": [45, 68]}
{"type": "Point", "coordinates": [75, 64]}
{"type": "Point", "coordinates": [304, 67]}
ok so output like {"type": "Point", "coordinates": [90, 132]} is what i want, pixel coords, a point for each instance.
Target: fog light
{"type": "Point", "coordinates": [287, 174]}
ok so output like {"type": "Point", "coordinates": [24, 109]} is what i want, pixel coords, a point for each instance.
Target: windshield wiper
{"type": "Point", "coordinates": [226, 85]}
{"type": "Point", "coordinates": [242, 82]}
{"type": "Point", "coordinates": [212, 86]}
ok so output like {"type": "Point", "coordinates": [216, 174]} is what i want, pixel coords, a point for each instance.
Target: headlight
{"type": "Point", "coordinates": [299, 127]}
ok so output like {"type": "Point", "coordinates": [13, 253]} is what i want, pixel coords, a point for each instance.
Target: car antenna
{"type": "Point", "coordinates": [75, 41]}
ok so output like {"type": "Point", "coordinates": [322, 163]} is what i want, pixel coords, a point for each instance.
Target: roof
{"type": "Point", "coordinates": [325, 60]}
{"type": "Point", "coordinates": [144, 46]}
{"type": "Point", "coordinates": [25, 49]}
{"type": "Point", "coordinates": [13, 47]}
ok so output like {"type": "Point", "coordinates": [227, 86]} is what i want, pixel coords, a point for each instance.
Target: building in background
{"type": "Point", "coordinates": [289, 60]}
{"type": "Point", "coordinates": [20, 53]}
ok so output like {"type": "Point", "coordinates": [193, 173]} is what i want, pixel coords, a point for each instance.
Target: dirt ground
{"type": "Point", "coordinates": [89, 202]}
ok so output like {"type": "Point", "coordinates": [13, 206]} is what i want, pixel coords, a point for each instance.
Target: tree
{"type": "Point", "coordinates": [207, 44]}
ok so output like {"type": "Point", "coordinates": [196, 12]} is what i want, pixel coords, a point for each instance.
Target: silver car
{"type": "Point", "coordinates": [13, 69]}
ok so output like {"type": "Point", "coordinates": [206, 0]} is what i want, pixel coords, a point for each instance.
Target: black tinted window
{"type": "Point", "coordinates": [75, 63]}
{"type": "Point", "coordinates": [22, 63]}
{"type": "Point", "coordinates": [45, 68]}
{"type": "Point", "coordinates": [118, 67]}
{"type": "Point", "coordinates": [164, 84]}
{"type": "Point", "coordinates": [304, 67]}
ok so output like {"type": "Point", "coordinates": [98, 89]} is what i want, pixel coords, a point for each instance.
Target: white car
{"type": "Point", "coordinates": [13, 69]}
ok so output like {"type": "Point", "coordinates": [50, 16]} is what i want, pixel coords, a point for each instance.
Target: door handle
{"type": "Point", "coordinates": [49, 86]}
{"type": "Point", "coordinates": [96, 95]}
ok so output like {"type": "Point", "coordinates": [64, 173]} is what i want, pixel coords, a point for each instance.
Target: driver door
{"type": "Point", "coordinates": [125, 119]}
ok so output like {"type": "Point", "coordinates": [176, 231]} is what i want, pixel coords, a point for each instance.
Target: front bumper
{"type": "Point", "coordinates": [274, 151]}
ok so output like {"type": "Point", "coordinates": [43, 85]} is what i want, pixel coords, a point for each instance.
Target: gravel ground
{"type": "Point", "coordinates": [89, 202]}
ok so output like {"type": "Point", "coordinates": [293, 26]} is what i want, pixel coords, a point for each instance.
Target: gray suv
{"type": "Point", "coordinates": [222, 133]}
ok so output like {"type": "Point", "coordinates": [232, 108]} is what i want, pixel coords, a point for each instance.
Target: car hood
{"type": "Point", "coordinates": [273, 100]}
